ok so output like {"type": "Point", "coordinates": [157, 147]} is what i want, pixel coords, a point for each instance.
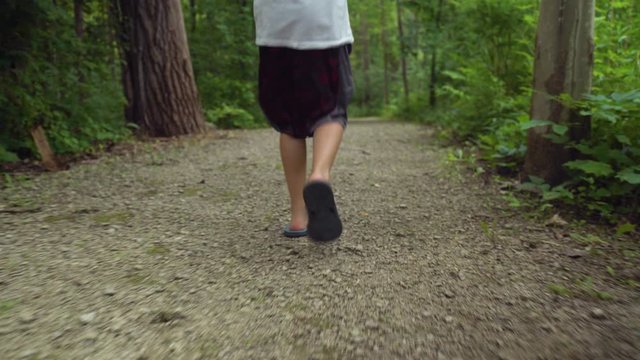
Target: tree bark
{"type": "Point", "coordinates": [157, 75]}
{"type": "Point", "coordinates": [192, 10]}
{"type": "Point", "coordinates": [78, 11]}
{"type": "Point", "coordinates": [366, 62]}
{"type": "Point", "coordinates": [434, 59]}
{"type": "Point", "coordinates": [385, 49]}
{"type": "Point", "coordinates": [47, 156]}
{"type": "Point", "coordinates": [403, 59]}
{"type": "Point", "coordinates": [563, 65]}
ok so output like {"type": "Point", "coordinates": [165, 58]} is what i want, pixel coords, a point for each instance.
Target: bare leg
{"type": "Point", "coordinates": [326, 141]}
{"type": "Point", "coordinates": [293, 153]}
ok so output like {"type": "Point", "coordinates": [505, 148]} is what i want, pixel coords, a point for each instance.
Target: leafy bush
{"type": "Point", "coordinates": [51, 77]}
{"type": "Point", "coordinates": [229, 117]}
{"type": "Point", "coordinates": [605, 180]}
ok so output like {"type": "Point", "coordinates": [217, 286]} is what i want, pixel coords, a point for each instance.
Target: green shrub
{"type": "Point", "coordinates": [230, 117]}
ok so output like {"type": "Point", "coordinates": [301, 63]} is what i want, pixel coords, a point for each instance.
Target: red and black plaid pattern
{"type": "Point", "coordinates": [298, 87]}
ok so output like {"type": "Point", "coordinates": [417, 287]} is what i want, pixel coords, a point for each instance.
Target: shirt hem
{"type": "Point", "coordinates": [304, 45]}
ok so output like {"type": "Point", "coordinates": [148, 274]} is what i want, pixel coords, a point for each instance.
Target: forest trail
{"type": "Point", "coordinates": [177, 254]}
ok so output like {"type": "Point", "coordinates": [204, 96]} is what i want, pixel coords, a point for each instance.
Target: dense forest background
{"type": "Point", "coordinates": [463, 66]}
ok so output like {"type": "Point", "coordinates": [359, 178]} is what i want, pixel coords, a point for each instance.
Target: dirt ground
{"type": "Point", "coordinates": [176, 253]}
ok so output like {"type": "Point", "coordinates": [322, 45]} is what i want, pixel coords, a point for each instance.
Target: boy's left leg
{"type": "Point", "coordinates": [326, 142]}
{"type": "Point", "coordinates": [293, 152]}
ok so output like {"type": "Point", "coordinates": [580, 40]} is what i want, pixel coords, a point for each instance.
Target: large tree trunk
{"type": "Point", "coordinates": [403, 57]}
{"type": "Point", "coordinates": [194, 19]}
{"type": "Point", "coordinates": [434, 59]}
{"type": "Point", "coordinates": [385, 49]}
{"type": "Point", "coordinates": [366, 61]}
{"type": "Point", "coordinates": [158, 75]}
{"type": "Point", "coordinates": [78, 11]}
{"type": "Point", "coordinates": [563, 64]}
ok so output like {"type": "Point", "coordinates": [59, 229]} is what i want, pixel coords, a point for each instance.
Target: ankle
{"type": "Point", "coordinates": [318, 176]}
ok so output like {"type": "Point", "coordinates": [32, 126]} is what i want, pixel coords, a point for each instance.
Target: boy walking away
{"type": "Point", "coordinates": [305, 85]}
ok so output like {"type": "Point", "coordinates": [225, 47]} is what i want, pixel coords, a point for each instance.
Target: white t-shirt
{"type": "Point", "coordinates": [302, 24]}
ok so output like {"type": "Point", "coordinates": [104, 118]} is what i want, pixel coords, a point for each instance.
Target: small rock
{"type": "Point", "coordinates": [448, 319]}
{"type": "Point", "coordinates": [109, 291]}
{"type": "Point", "coordinates": [370, 324]}
{"type": "Point", "coordinates": [576, 253]}
{"type": "Point", "coordinates": [548, 328]}
{"type": "Point", "coordinates": [292, 252]}
{"type": "Point", "coordinates": [510, 302]}
{"type": "Point", "coordinates": [117, 325]}
{"type": "Point", "coordinates": [27, 317]}
{"type": "Point", "coordinates": [431, 337]}
{"type": "Point", "coordinates": [448, 294]}
{"type": "Point", "coordinates": [28, 354]}
{"type": "Point", "coordinates": [402, 206]}
{"type": "Point", "coordinates": [87, 318]}
{"type": "Point", "coordinates": [167, 316]}
{"type": "Point", "coordinates": [556, 220]}
{"type": "Point", "coordinates": [598, 314]}
{"type": "Point", "coordinates": [355, 332]}
{"type": "Point", "coordinates": [633, 274]}
{"type": "Point", "coordinates": [426, 314]}
{"type": "Point", "coordinates": [90, 336]}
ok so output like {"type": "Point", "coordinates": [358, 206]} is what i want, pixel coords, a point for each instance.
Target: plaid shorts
{"type": "Point", "coordinates": [299, 90]}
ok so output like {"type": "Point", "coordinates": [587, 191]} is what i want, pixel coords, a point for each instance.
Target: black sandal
{"type": "Point", "coordinates": [324, 221]}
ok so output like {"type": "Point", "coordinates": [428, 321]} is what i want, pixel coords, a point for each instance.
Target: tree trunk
{"type": "Point", "coordinates": [434, 59]}
{"type": "Point", "coordinates": [192, 10]}
{"type": "Point", "coordinates": [563, 65]}
{"type": "Point", "coordinates": [366, 62]}
{"type": "Point", "coordinates": [78, 10]}
{"type": "Point", "coordinates": [403, 58]}
{"type": "Point", "coordinates": [44, 149]}
{"type": "Point", "coordinates": [158, 75]}
{"type": "Point", "coordinates": [385, 49]}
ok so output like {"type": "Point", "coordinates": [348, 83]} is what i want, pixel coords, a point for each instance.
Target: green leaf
{"type": "Point", "coordinates": [557, 139]}
{"type": "Point", "coordinates": [623, 139]}
{"type": "Point", "coordinates": [535, 123]}
{"type": "Point", "coordinates": [590, 167]}
{"type": "Point", "coordinates": [536, 179]}
{"type": "Point", "coordinates": [559, 290]}
{"type": "Point", "coordinates": [7, 156]}
{"type": "Point", "coordinates": [625, 229]}
{"type": "Point", "coordinates": [560, 129]}
{"type": "Point", "coordinates": [630, 175]}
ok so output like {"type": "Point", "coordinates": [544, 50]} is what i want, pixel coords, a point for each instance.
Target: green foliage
{"type": "Point", "coordinates": [606, 179]}
{"type": "Point", "coordinates": [229, 117]}
{"type": "Point", "coordinates": [559, 290]}
{"type": "Point", "coordinates": [6, 155]}
{"type": "Point", "coordinates": [587, 287]}
{"type": "Point", "coordinates": [225, 60]}
{"type": "Point", "coordinates": [483, 87]}
{"type": "Point", "coordinates": [49, 76]}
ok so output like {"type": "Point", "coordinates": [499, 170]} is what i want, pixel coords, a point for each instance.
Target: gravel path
{"type": "Point", "coordinates": [177, 254]}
